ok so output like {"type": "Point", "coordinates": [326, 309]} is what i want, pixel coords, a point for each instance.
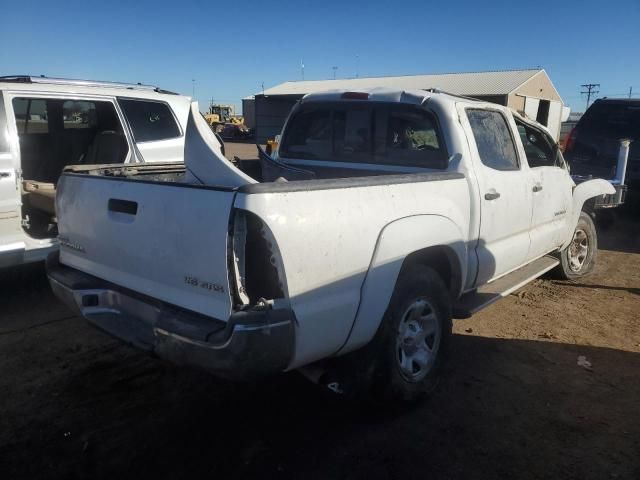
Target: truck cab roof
{"type": "Point", "coordinates": [383, 94]}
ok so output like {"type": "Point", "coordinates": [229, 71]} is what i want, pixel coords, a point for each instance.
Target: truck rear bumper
{"type": "Point", "coordinates": [249, 345]}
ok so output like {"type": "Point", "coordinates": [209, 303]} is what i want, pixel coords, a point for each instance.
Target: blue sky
{"type": "Point", "coordinates": [232, 48]}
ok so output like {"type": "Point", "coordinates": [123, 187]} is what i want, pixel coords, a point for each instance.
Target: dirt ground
{"type": "Point", "coordinates": [244, 151]}
{"type": "Point", "coordinates": [514, 403]}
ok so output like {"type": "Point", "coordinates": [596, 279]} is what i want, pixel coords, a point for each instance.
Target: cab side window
{"type": "Point", "coordinates": [540, 150]}
{"type": "Point", "coordinates": [493, 139]}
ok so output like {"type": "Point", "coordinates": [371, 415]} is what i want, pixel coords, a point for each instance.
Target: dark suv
{"type": "Point", "coordinates": [592, 146]}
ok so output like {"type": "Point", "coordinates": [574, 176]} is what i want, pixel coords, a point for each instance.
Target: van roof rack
{"type": "Point", "coordinates": [81, 83]}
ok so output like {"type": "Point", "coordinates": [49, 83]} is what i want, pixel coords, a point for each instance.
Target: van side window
{"type": "Point", "coordinates": [79, 114]}
{"type": "Point", "coordinates": [150, 121]}
{"type": "Point", "coordinates": [493, 139]}
{"type": "Point", "coordinates": [31, 115]}
{"type": "Point", "coordinates": [540, 150]}
{"type": "Point", "coordinates": [55, 132]}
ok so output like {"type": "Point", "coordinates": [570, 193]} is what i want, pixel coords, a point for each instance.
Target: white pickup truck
{"type": "Point", "coordinates": [382, 215]}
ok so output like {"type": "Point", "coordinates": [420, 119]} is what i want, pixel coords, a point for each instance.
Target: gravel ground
{"type": "Point", "coordinates": [514, 403]}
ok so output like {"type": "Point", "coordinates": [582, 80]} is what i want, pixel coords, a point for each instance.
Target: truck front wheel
{"type": "Point", "coordinates": [410, 345]}
{"type": "Point", "coordinates": [579, 258]}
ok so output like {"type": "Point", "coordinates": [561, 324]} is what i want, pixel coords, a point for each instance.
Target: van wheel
{"type": "Point", "coordinates": [410, 345]}
{"type": "Point", "coordinates": [579, 258]}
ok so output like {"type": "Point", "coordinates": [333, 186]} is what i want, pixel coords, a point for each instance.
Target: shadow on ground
{"type": "Point", "coordinates": [506, 409]}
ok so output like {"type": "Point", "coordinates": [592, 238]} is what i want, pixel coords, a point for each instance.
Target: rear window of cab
{"type": "Point", "coordinates": [388, 134]}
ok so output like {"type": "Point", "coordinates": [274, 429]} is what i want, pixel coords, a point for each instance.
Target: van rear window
{"type": "Point", "coordinates": [387, 134]}
{"type": "Point", "coordinates": [150, 121]}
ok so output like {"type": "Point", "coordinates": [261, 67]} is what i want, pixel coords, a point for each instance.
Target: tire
{"type": "Point", "coordinates": [407, 353]}
{"type": "Point", "coordinates": [579, 258]}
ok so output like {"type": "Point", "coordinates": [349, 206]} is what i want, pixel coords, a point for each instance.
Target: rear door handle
{"type": "Point", "coordinates": [5, 174]}
{"type": "Point", "coordinates": [537, 188]}
{"type": "Point", "coordinates": [491, 195]}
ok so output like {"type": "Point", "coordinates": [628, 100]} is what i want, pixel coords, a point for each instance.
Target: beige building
{"type": "Point", "coordinates": [530, 92]}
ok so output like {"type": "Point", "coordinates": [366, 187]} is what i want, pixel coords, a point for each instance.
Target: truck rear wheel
{"type": "Point", "coordinates": [579, 258]}
{"type": "Point", "coordinates": [410, 345]}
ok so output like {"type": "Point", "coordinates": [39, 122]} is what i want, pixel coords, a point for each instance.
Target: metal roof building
{"type": "Point", "coordinates": [527, 91]}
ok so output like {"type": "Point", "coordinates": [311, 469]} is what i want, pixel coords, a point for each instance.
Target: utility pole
{"type": "Point", "coordinates": [302, 68]}
{"type": "Point", "coordinates": [630, 90]}
{"type": "Point", "coordinates": [591, 89]}
{"type": "Point", "coordinates": [334, 72]}
{"type": "Point", "coordinates": [357, 66]}
{"type": "Point", "coordinates": [193, 87]}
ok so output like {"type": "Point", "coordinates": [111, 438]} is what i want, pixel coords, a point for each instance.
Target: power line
{"type": "Point", "coordinates": [591, 89]}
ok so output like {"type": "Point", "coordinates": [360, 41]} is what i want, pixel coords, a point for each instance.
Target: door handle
{"type": "Point", "coordinates": [537, 188]}
{"type": "Point", "coordinates": [123, 206]}
{"type": "Point", "coordinates": [491, 195]}
{"type": "Point", "coordinates": [5, 174]}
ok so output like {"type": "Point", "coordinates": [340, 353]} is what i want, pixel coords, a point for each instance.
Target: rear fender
{"type": "Point", "coordinates": [396, 242]}
{"type": "Point", "coordinates": [581, 194]}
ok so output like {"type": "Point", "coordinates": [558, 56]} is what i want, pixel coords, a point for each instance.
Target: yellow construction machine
{"type": "Point", "coordinates": [220, 115]}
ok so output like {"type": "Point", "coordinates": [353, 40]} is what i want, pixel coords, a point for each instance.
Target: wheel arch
{"type": "Point", "coordinates": [431, 240]}
{"type": "Point", "coordinates": [584, 196]}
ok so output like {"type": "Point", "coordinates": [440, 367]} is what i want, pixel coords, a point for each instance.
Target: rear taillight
{"type": "Point", "coordinates": [570, 140]}
{"type": "Point", "coordinates": [256, 264]}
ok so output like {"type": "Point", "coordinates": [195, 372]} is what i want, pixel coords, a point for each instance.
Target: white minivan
{"type": "Point", "coordinates": [49, 123]}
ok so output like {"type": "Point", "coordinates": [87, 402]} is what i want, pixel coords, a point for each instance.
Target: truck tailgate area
{"type": "Point", "coordinates": [165, 240]}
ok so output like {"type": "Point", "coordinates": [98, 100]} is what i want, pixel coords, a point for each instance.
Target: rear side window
{"type": "Point", "coordinates": [150, 121]}
{"type": "Point", "coordinates": [493, 139]}
{"type": "Point", "coordinates": [540, 150]}
{"type": "Point", "coordinates": [79, 114]}
{"type": "Point", "coordinates": [400, 135]}
{"type": "Point", "coordinates": [31, 115]}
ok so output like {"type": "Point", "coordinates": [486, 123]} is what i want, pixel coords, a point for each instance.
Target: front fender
{"type": "Point", "coordinates": [582, 193]}
{"type": "Point", "coordinates": [396, 241]}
